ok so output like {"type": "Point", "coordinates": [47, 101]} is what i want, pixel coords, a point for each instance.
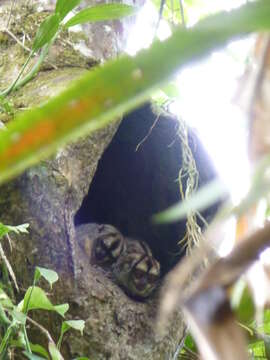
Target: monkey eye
{"type": "Point", "coordinates": [152, 279]}
{"type": "Point", "coordinates": [138, 274]}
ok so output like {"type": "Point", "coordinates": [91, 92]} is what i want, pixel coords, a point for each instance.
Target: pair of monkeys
{"type": "Point", "coordinates": [131, 261]}
{"type": "Point", "coordinates": [136, 178]}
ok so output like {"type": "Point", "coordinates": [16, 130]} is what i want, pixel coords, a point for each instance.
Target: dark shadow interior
{"type": "Point", "coordinates": [131, 185]}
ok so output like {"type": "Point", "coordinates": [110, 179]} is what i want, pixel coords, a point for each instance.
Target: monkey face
{"type": "Point", "coordinates": [137, 271]}
{"type": "Point", "coordinates": [130, 261]}
{"type": "Point", "coordinates": [108, 245]}
{"type": "Point", "coordinates": [100, 244]}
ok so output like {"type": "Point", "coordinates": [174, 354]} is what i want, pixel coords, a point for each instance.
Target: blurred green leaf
{"type": "Point", "coordinates": [38, 349]}
{"type": "Point", "coordinates": [4, 320]}
{"type": "Point", "coordinates": [74, 324]}
{"type": "Point", "coordinates": [5, 229]}
{"type": "Point", "coordinates": [49, 275]}
{"type": "Point", "coordinates": [101, 12]}
{"type": "Point", "coordinates": [5, 300]}
{"type": "Point", "coordinates": [46, 31]}
{"type": "Point", "coordinates": [242, 303]}
{"type": "Point", "coordinates": [32, 356]}
{"type": "Point", "coordinates": [63, 7]}
{"type": "Point", "coordinates": [66, 325]}
{"type": "Point", "coordinates": [171, 90]}
{"type": "Point", "coordinates": [5, 338]}
{"type": "Point", "coordinates": [61, 309]}
{"type": "Point", "coordinates": [18, 316]}
{"type": "Point", "coordinates": [54, 352]}
{"type": "Point", "coordinates": [35, 298]}
{"type": "Point", "coordinates": [202, 199]}
{"type": "Point", "coordinates": [190, 345]}
{"type": "Point", "coordinates": [101, 95]}
{"type": "Point", "coordinates": [257, 349]}
{"type": "Point", "coordinates": [265, 327]}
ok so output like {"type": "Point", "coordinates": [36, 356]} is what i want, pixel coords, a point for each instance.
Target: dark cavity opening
{"type": "Point", "coordinates": [131, 185]}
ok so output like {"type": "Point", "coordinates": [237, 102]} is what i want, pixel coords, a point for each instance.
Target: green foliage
{"type": "Point", "coordinates": [14, 319]}
{"type": "Point", "coordinates": [101, 12]}
{"type": "Point", "coordinates": [201, 200]}
{"type": "Point", "coordinates": [189, 349]}
{"type": "Point", "coordinates": [66, 325]}
{"type": "Point", "coordinates": [5, 229]}
{"type": "Point", "coordinates": [36, 298]}
{"type": "Point", "coordinates": [63, 7]}
{"type": "Point", "coordinates": [6, 106]}
{"type": "Point", "coordinates": [242, 303]}
{"type": "Point", "coordinates": [119, 85]}
{"type": "Point", "coordinates": [52, 25]}
{"type": "Point", "coordinates": [46, 31]}
{"type": "Point", "coordinates": [49, 275]}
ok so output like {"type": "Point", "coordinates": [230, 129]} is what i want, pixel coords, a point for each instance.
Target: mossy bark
{"type": "Point", "coordinates": [47, 197]}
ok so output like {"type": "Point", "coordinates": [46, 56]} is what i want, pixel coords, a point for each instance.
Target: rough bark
{"type": "Point", "coordinates": [49, 195]}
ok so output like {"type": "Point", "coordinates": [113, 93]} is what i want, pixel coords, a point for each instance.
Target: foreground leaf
{"type": "Point", "coordinates": [35, 298]}
{"type": "Point", "coordinates": [46, 31]}
{"type": "Point", "coordinates": [101, 12]}
{"type": "Point", "coordinates": [201, 200]}
{"type": "Point", "coordinates": [63, 7]}
{"type": "Point", "coordinates": [101, 95]}
{"type": "Point", "coordinates": [32, 356]}
{"type": "Point", "coordinates": [54, 352]}
{"type": "Point", "coordinates": [49, 275]}
{"type": "Point", "coordinates": [74, 324]}
{"type": "Point", "coordinates": [5, 229]}
{"type": "Point", "coordinates": [66, 325]}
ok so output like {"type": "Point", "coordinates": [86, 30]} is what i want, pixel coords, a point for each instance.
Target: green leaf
{"type": "Point", "coordinates": [38, 349]}
{"type": "Point", "coordinates": [5, 300]}
{"type": "Point", "coordinates": [101, 12]}
{"type": "Point", "coordinates": [18, 316]}
{"type": "Point", "coordinates": [265, 327]}
{"type": "Point", "coordinates": [242, 303]}
{"type": "Point", "coordinates": [35, 298]}
{"type": "Point", "coordinates": [48, 28]}
{"type": "Point", "coordinates": [66, 325]}
{"type": "Point", "coordinates": [101, 95]}
{"type": "Point", "coordinates": [63, 7]}
{"type": "Point", "coordinates": [82, 358]}
{"type": "Point", "coordinates": [4, 320]}
{"type": "Point", "coordinates": [171, 90]}
{"type": "Point", "coordinates": [202, 199]}
{"type": "Point", "coordinates": [257, 348]}
{"type": "Point", "coordinates": [32, 356]}
{"type": "Point", "coordinates": [61, 309]}
{"type": "Point", "coordinates": [5, 229]}
{"type": "Point", "coordinates": [55, 353]}
{"type": "Point", "coordinates": [190, 344]}
{"type": "Point", "coordinates": [74, 324]}
{"type": "Point", "coordinates": [49, 275]}
{"type": "Point", "coordinates": [6, 337]}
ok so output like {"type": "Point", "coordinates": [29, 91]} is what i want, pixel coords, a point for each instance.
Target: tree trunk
{"type": "Point", "coordinates": [49, 195]}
